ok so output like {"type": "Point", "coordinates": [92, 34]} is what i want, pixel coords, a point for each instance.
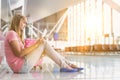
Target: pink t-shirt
{"type": "Point", "coordinates": [13, 61]}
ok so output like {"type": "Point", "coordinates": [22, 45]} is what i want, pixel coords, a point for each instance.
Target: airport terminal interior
{"type": "Point", "coordinates": [86, 32]}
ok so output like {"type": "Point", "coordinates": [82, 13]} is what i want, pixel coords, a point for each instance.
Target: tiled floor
{"type": "Point", "coordinates": [95, 68]}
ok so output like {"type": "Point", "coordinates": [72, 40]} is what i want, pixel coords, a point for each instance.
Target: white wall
{"type": "Point", "coordinates": [42, 8]}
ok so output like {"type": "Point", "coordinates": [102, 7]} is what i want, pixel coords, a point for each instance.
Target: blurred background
{"type": "Point", "coordinates": [74, 23]}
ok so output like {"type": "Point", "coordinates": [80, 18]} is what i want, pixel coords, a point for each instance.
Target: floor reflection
{"type": "Point", "coordinates": [95, 68]}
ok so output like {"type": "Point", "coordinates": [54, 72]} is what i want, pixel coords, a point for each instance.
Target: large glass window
{"type": "Point", "coordinates": [90, 21]}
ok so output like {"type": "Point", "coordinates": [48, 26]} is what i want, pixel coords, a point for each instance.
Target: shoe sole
{"type": "Point", "coordinates": [68, 70]}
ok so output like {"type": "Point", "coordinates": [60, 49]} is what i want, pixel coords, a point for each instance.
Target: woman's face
{"type": "Point", "coordinates": [23, 23]}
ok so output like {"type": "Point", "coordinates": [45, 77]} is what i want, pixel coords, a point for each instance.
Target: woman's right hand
{"type": "Point", "coordinates": [40, 40]}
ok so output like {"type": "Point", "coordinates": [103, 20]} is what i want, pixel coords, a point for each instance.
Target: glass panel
{"type": "Point", "coordinates": [117, 1]}
{"type": "Point", "coordinates": [85, 25]}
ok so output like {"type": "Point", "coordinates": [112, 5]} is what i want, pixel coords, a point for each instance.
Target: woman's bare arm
{"type": "Point", "coordinates": [21, 53]}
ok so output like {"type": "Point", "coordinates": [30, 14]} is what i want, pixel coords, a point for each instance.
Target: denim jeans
{"type": "Point", "coordinates": [34, 56]}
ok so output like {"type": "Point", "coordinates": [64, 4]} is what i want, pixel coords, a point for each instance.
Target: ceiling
{"type": "Point", "coordinates": [35, 9]}
{"type": "Point", "coordinates": [39, 9]}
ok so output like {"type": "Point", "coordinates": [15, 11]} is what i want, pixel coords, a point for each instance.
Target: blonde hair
{"type": "Point", "coordinates": [15, 25]}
